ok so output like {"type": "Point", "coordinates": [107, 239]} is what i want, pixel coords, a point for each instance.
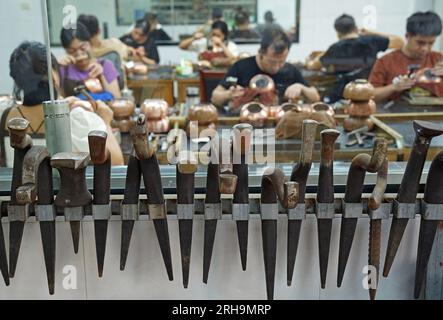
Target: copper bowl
{"type": "Point", "coordinates": [124, 126]}
{"type": "Point", "coordinates": [262, 83]}
{"type": "Point", "coordinates": [122, 108]}
{"type": "Point", "coordinates": [194, 126]}
{"type": "Point", "coordinates": [254, 113]}
{"type": "Point", "coordinates": [323, 107]}
{"type": "Point", "coordinates": [94, 85]}
{"type": "Point", "coordinates": [203, 113]}
{"type": "Point", "coordinates": [359, 90]}
{"type": "Point", "coordinates": [158, 126]}
{"type": "Point", "coordinates": [276, 112]}
{"type": "Point", "coordinates": [353, 123]}
{"type": "Point", "coordinates": [155, 109]}
{"type": "Point", "coordinates": [362, 109]}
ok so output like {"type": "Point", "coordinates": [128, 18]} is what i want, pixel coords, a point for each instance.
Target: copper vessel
{"type": "Point", "coordinates": [193, 126]}
{"type": "Point", "coordinates": [203, 113]}
{"type": "Point", "coordinates": [254, 113]}
{"type": "Point", "coordinates": [124, 125]}
{"type": "Point", "coordinates": [353, 123]}
{"type": "Point", "coordinates": [94, 85]}
{"type": "Point", "coordinates": [320, 107]}
{"type": "Point", "coordinates": [122, 108]}
{"type": "Point", "coordinates": [155, 109]}
{"type": "Point", "coordinates": [158, 126]}
{"type": "Point", "coordinates": [276, 112]}
{"type": "Point", "coordinates": [262, 83]}
{"type": "Point", "coordinates": [362, 109]}
{"type": "Point", "coordinates": [359, 90]}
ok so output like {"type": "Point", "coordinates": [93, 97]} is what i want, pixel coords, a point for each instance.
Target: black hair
{"type": "Point", "coordinates": [150, 17]}
{"type": "Point", "coordinates": [90, 22]}
{"type": "Point", "coordinates": [241, 18]}
{"type": "Point", "coordinates": [345, 24]}
{"type": "Point", "coordinates": [222, 26]}
{"type": "Point", "coordinates": [144, 25]}
{"type": "Point", "coordinates": [275, 38]}
{"type": "Point", "coordinates": [68, 35]}
{"type": "Point", "coordinates": [424, 23]}
{"type": "Point", "coordinates": [217, 13]}
{"type": "Point", "coordinates": [29, 68]}
{"type": "Point", "coordinates": [269, 17]}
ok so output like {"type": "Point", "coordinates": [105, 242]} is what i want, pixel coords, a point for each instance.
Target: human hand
{"type": "Point", "coordinates": [294, 91]}
{"type": "Point", "coordinates": [402, 83]}
{"type": "Point", "coordinates": [104, 112]}
{"type": "Point", "coordinates": [438, 69]}
{"type": "Point", "coordinates": [95, 70]}
{"type": "Point", "coordinates": [66, 60]}
{"type": "Point", "coordinates": [198, 35]}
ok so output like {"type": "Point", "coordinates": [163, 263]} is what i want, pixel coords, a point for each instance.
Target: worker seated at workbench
{"type": "Point", "coordinates": [78, 67]}
{"type": "Point", "coordinates": [270, 60]}
{"type": "Point", "coordinates": [415, 68]}
{"type": "Point", "coordinates": [28, 68]}
{"type": "Point", "coordinates": [354, 55]}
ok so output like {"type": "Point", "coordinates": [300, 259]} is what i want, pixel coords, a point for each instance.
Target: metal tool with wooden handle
{"type": "Point", "coordinates": [404, 204]}
{"type": "Point", "coordinates": [154, 190]}
{"type": "Point", "coordinates": [37, 183]}
{"type": "Point", "coordinates": [73, 195]}
{"type": "Point", "coordinates": [352, 205]}
{"type": "Point", "coordinates": [101, 206]}
{"type": "Point", "coordinates": [325, 199]}
{"type": "Point", "coordinates": [242, 140]}
{"type": "Point", "coordinates": [220, 180]}
{"type": "Point", "coordinates": [300, 174]}
{"type": "Point", "coordinates": [273, 187]}
{"type": "Point", "coordinates": [17, 214]}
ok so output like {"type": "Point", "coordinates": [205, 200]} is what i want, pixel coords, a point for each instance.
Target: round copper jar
{"type": "Point", "coordinates": [276, 112]}
{"type": "Point", "coordinates": [94, 85]}
{"type": "Point", "coordinates": [262, 83]}
{"type": "Point", "coordinates": [122, 108]}
{"type": "Point", "coordinates": [158, 126]}
{"type": "Point", "coordinates": [204, 114]}
{"type": "Point", "coordinates": [359, 90]}
{"type": "Point", "coordinates": [155, 109]}
{"type": "Point", "coordinates": [254, 113]}
{"type": "Point", "coordinates": [320, 107]}
{"type": "Point", "coordinates": [353, 123]}
{"type": "Point", "coordinates": [362, 109]}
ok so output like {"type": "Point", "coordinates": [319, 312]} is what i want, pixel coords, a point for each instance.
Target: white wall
{"type": "Point", "coordinates": [20, 20]}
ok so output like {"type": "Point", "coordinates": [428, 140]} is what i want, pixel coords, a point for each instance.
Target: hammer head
{"type": "Point", "coordinates": [70, 160]}
{"type": "Point", "coordinates": [17, 131]}
{"type": "Point", "coordinates": [97, 147]}
{"type": "Point", "coordinates": [80, 89]}
{"type": "Point", "coordinates": [228, 183]}
{"type": "Point", "coordinates": [427, 129]}
{"type": "Point", "coordinates": [242, 137]}
{"type": "Point", "coordinates": [187, 162]}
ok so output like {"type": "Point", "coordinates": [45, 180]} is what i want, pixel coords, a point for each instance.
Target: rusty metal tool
{"type": "Point", "coordinates": [101, 206]}
{"type": "Point", "coordinates": [220, 180]}
{"type": "Point", "coordinates": [145, 153]}
{"type": "Point", "coordinates": [325, 199]}
{"type": "Point", "coordinates": [352, 205]}
{"type": "Point", "coordinates": [242, 136]}
{"type": "Point", "coordinates": [73, 195]}
{"type": "Point", "coordinates": [300, 174]}
{"type": "Point", "coordinates": [17, 214]}
{"type": "Point", "coordinates": [186, 169]}
{"type": "Point", "coordinates": [81, 89]}
{"type": "Point", "coordinates": [37, 183]}
{"type": "Point", "coordinates": [130, 207]}
{"type": "Point", "coordinates": [431, 216]}
{"type": "Point", "coordinates": [403, 207]}
{"type": "Point", "coordinates": [273, 187]}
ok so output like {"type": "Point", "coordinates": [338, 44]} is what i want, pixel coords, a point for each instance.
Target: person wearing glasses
{"type": "Point", "coordinates": [271, 61]}
{"type": "Point", "coordinates": [79, 65]}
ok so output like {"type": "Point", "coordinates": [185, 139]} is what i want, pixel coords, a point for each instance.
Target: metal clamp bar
{"type": "Point", "coordinates": [213, 211]}
{"type": "Point", "coordinates": [45, 213]}
{"type": "Point", "coordinates": [101, 212]}
{"type": "Point", "coordinates": [240, 211]}
{"type": "Point", "coordinates": [18, 212]}
{"type": "Point", "coordinates": [185, 211]}
{"type": "Point", "coordinates": [352, 210]}
{"type": "Point", "coordinates": [130, 212]}
{"type": "Point", "coordinates": [74, 213]}
{"type": "Point", "coordinates": [382, 213]}
{"type": "Point", "coordinates": [325, 210]}
{"type": "Point", "coordinates": [157, 211]}
{"type": "Point", "coordinates": [298, 213]}
{"type": "Point", "coordinates": [269, 211]}
{"type": "Point", "coordinates": [431, 211]}
{"type": "Point", "coordinates": [403, 210]}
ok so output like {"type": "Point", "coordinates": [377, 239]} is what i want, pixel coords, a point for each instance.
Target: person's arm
{"type": "Point", "coordinates": [297, 89]}
{"type": "Point", "coordinates": [97, 70]}
{"type": "Point", "coordinates": [400, 84]}
{"type": "Point", "coordinates": [220, 96]}
{"type": "Point", "coordinates": [112, 87]}
{"type": "Point", "coordinates": [186, 43]}
{"type": "Point", "coordinates": [395, 42]}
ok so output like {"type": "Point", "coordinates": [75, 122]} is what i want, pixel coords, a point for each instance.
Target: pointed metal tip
{"type": "Point", "coordinates": [101, 231]}
{"type": "Point", "coordinates": [289, 283]}
{"type": "Point", "coordinates": [339, 284]}
{"type": "Point", "coordinates": [51, 290]}
{"type": "Point", "coordinates": [75, 233]}
{"type": "Point", "coordinates": [372, 294]}
{"type": "Point", "coordinates": [323, 286]}
{"type": "Point", "coordinates": [242, 232]}
{"type": "Point", "coordinates": [122, 267]}
{"type": "Point", "coordinates": [209, 238]}
{"type": "Point", "coordinates": [126, 235]}
{"type": "Point", "coordinates": [7, 282]}
{"type": "Point", "coordinates": [205, 281]}
{"type": "Point", "coordinates": [100, 273]}
{"type": "Point", "coordinates": [15, 240]}
{"type": "Point", "coordinates": [161, 229]}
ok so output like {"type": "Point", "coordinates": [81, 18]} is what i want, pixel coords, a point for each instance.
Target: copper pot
{"type": "Point", "coordinates": [122, 108]}
{"type": "Point", "coordinates": [262, 83]}
{"type": "Point", "coordinates": [254, 113]}
{"type": "Point", "coordinates": [323, 107]}
{"type": "Point", "coordinates": [155, 109]}
{"type": "Point", "coordinates": [123, 125]}
{"type": "Point", "coordinates": [353, 123]}
{"type": "Point", "coordinates": [158, 126]}
{"type": "Point", "coordinates": [193, 126]}
{"type": "Point", "coordinates": [362, 109]}
{"type": "Point", "coordinates": [359, 90]}
{"type": "Point", "coordinates": [94, 85]}
{"type": "Point", "coordinates": [276, 112]}
{"type": "Point", "coordinates": [203, 113]}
